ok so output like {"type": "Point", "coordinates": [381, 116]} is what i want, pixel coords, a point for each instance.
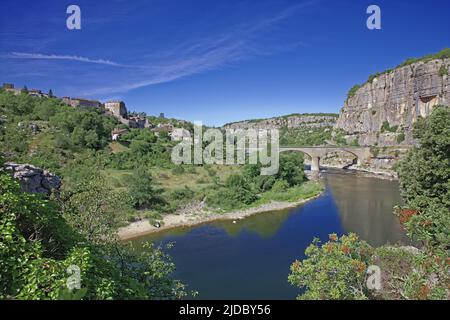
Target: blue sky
{"type": "Point", "coordinates": [214, 61]}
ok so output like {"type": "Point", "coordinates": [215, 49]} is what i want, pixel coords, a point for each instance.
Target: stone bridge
{"type": "Point", "coordinates": [316, 153]}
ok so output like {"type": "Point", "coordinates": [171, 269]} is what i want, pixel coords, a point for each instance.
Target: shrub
{"type": "Point", "coordinates": [178, 170]}
{"type": "Point", "coordinates": [355, 143]}
{"type": "Point", "coordinates": [443, 71]}
{"type": "Point", "coordinates": [385, 127]}
{"type": "Point", "coordinates": [401, 137]}
{"type": "Point", "coordinates": [334, 270]}
{"type": "Point", "coordinates": [351, 93]}
{"type": "Point", "coordinates": [280, 186]}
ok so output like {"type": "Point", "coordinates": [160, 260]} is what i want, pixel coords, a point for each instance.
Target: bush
{"type": "Point", "coordinates": [443, 71]}
{"type": "Point", "coordinates": [291, 168]}
{"type": "Point", "coordinates": [385, 127]}
{"type": "Point", "coordinates": [351, 93]}
{"type": "Point", "coordinates": [401, 137]}
{"type": "Point", "coordinates": [335, 270]}
{"type": "Point", "coordinates": [355, 143]}
{"type": "Point", "coordinates": [178, 170]}
{"type": "Point", "coordinates": [280, 186]}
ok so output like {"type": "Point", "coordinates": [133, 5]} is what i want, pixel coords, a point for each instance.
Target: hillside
{"type": "Point", "coordinates": [295, 129]}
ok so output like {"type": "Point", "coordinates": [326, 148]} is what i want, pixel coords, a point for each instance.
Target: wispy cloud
{"type": "Point", "coordinates": [234, 43]}
{"type": "Point", "coordinates": [211, 53]}
{"type": "Point", "coordinates": [24, 55]}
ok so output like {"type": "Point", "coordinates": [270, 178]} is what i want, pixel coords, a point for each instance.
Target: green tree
{"type": "Point", "coordinates": [292, 168]}
{"type": "Point", "coordinates": [93, 210]}
{"type": "Point", "coordinates": [143, 193]}
{"type": "Point", "coordinates": [425, 179]}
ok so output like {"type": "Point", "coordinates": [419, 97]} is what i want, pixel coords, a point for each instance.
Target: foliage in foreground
{"type": "Point", "coordinates": [335, 270]}
{"type": "Point", "coordinates": [338, 268]}
{"type": "Point", "coordinates": [38, 245]}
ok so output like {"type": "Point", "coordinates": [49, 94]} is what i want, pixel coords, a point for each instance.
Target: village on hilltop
{"type": "Point", "coordinates": [113, 108]}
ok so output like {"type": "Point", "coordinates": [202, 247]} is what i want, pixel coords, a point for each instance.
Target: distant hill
{"type": "Point", "coordinates": [295, 129]}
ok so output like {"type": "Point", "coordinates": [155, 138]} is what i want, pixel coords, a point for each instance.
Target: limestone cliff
{"type": "Point", "coordinates": [289, 121]}
{"type": "Point", "coordinates": [382, 111]}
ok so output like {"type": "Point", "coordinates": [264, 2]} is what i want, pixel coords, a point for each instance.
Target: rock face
{"type": "Point", "coordinates": [291, 121]}
{"type": "Point", "coordinates": [33, 179]}
{"type": "Point", "coordinates": [397, 97]}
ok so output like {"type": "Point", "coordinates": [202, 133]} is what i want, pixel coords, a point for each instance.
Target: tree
{"type": "Point", "coordinates": [50, 93]}
{"type": "Point", "coordinates": [240, 189]}
{"type": "Point", "coordinates": [141, 188]}
{"type": "Point", "coordinates": [425, 180]}
{"type": "Point", "coordinates": [91, 208]}
{"type": "Point", "coordinates": [291, 169]}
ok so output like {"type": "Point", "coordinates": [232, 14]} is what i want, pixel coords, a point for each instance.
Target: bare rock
{"type": "Point", "coordinates": [397, 97]}
{"type": "Point", "coordinates": [33, 179]}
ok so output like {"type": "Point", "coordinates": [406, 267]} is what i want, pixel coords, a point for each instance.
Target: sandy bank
{"type": "Point", "coordinates": [143, 227]}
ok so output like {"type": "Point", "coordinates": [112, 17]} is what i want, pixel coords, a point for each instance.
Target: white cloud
{"type": "Point", "coordinates": [24, 55]}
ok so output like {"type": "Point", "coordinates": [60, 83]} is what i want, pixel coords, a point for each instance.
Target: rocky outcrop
{"type": "Point", "coordinates": [384, 109]}
{"type": "Point", "coordinates": [33, 179]}
{"type": "Point", "coordinates": [290, 121]}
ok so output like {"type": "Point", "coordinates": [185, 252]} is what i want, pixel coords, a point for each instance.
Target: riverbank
{"type": "Point", "coordinates": [379, 174]}
{"type": "Point", "coordinates": [143, 227]}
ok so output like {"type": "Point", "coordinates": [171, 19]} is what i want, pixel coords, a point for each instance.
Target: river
{"type": "Point", "coordinates": [250, 259]}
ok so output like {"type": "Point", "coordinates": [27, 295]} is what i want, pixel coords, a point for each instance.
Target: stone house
{"type": "Point", "coordinates": [37, 93]}
{"type": "Point", "coordinates": [10, 88]}
{"type": "Point", "coordinates": [168, 128]}
{"type": "Point", "coordinates": [117, 108]}
{"type": "Point", "coordinates": [138, 122]}
{"type": "Point", "coordinates": [81, 102]}
{"type": "Point", "coordinates": [179, 133]}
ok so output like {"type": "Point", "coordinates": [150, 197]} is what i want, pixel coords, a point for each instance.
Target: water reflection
{"type": "Point", "coordinates": [250, 259]}
{"type": "Point", "coordinates": [365, 207]}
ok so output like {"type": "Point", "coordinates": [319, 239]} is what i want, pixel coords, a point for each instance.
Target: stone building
{"type": "Point", "coordinates": [37, 93]}
{"type": "Point", "coordinates": [138, 122]}
{"type": "Point", "coordinates": [81, 102]}
{"type": "Point", "coordinates": [117, 108]}
{"type": "Point", "coordinates": [168, 128]}
{"type": "Point", "coordinates": [10, 88]}
{"type": "Point", "coordinates": [179, 133]}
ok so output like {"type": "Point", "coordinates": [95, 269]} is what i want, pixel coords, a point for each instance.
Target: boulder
{"type": "Point", "coordinates": [33, 179]}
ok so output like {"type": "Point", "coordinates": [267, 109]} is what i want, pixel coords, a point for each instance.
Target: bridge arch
{"type": "Point", "coordinates": [316, 153]}
{"type": "Point", "coordinates": [315, 159]}
{"type": "Point", "coordinates": [347, 151]}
